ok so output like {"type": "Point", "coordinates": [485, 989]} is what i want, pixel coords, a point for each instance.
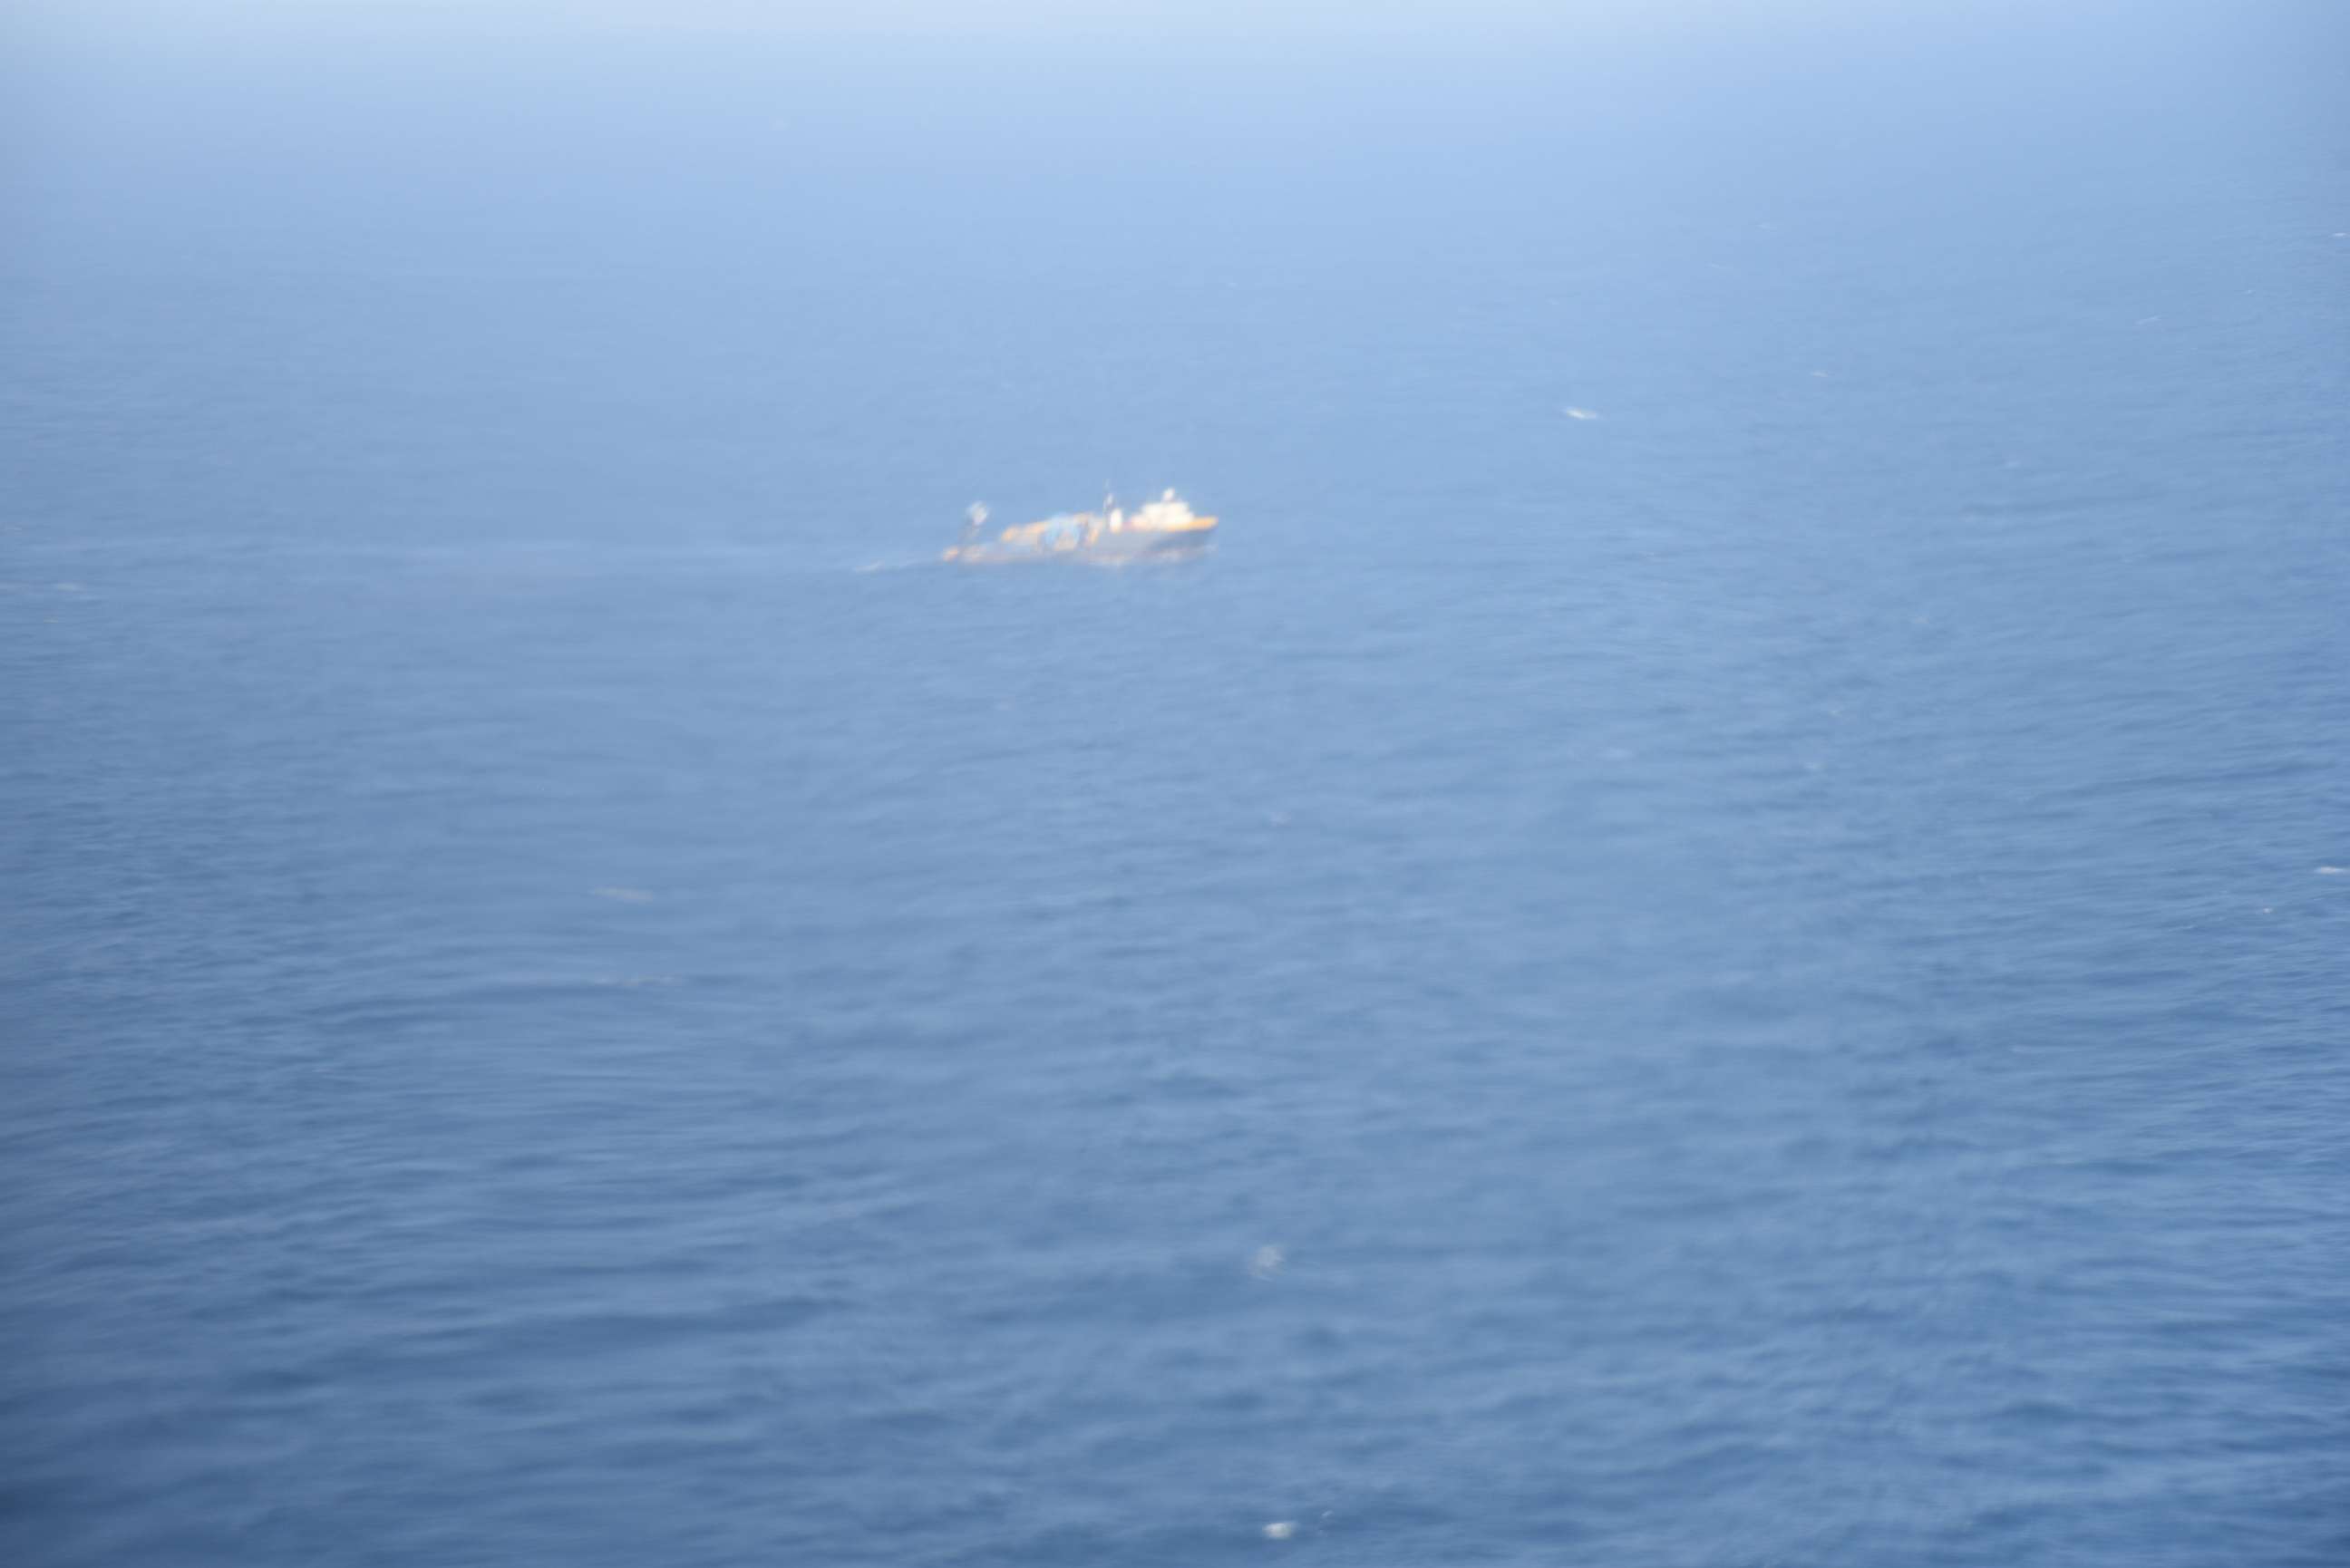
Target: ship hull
{"type": "Point", "coordinates": [1108, 549]}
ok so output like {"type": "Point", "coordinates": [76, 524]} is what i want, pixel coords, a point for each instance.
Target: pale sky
{"type": "Point", "coordinates": [1232, 17]}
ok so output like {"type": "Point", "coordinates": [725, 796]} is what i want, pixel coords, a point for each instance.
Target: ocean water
{"type": "Point", "coordinates": [1715, 934]}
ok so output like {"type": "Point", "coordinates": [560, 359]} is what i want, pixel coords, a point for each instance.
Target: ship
{"type": "Point", "coordinates": [1164, 529]}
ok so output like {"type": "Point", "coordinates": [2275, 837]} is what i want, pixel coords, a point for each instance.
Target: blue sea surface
{"type": "Point", "coordinates": [1715, 933]}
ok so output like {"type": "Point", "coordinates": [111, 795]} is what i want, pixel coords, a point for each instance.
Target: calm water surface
{"type": "Point", "coordinates": [1754, 979]}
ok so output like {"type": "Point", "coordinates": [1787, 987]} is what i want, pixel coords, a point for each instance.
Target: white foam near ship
{"type": "Point", "coordinates": [1164, 528]}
